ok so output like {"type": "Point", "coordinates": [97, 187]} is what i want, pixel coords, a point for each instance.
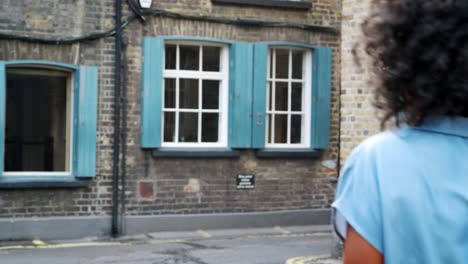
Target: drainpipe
{"type": "Point", "coordinates": [123, 166]}
{"type": "Point", "coordinates": [115, 174]}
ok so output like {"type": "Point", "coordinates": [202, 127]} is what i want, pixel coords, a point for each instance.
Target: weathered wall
{"type": "Point", "coordinates": [358, 117]}
{"type": "Point", "coordinates": [190, 185]}
{"type": "Point", "coordinates": [64, 19]}
{"type": "Point", "coordinates": [199, 185]}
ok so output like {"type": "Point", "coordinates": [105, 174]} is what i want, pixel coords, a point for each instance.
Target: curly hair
{"type": "Point", "coordinates": [418, 51]}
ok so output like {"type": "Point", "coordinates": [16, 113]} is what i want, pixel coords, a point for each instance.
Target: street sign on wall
{"type": "Point", "coordinates": [245, 181]}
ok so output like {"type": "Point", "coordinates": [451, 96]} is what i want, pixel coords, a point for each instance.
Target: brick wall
{"type": "Point", "coordinates": [208, 185]}
{"type": "Point", "coordinates": [64, 19]}
{"type": "Point", "coordinates": [168, 185]}
{"type": "Point", "coordinates": [358, 119]}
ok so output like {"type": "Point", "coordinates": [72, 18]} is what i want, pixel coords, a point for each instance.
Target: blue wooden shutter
{"type": "Point", "coordinates": [240, 95]}
{"type": "Point", "coordinates": [2, 113]}
{"type": "Point", "coordinates": [87, 117]}
{"type": "Point", "coordinates": [259, 95]}
{"type": "Point", "coordinates": [321, 99]}
{"type": "Point", "coordinates": [151, 94]}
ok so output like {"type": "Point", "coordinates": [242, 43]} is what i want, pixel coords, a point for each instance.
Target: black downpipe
{"type": "Point", "coordinates": [115, 175]}
{"type": "Point", "coordinates": [124, 132]}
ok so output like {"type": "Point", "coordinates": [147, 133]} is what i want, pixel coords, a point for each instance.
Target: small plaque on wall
{"type": "Point", "coordinates": [145, 3]}
{"type": "Point", "coordinates": [245, 181]}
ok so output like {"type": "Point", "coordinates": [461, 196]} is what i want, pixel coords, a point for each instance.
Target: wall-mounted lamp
{"type": "Point", "coordinates": [145, 3]}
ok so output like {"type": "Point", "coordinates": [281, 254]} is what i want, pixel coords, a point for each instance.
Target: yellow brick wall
{"type": "Point", "coordinates": [358, 116]}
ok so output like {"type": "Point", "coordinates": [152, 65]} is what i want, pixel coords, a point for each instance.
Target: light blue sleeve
{"type": "Point", "coordinates": [357, 200]}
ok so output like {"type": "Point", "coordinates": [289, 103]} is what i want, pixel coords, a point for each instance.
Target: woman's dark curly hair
{"type": "Point", "coordinates": [419, 55]}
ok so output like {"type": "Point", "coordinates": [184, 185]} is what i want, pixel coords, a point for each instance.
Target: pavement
{"type": "Point", "coordinates": [275, 245]}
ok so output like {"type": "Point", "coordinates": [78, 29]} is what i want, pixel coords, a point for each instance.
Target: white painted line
{"type": "Point", "coordinates": [163, 241]}
{"type": "Point", "coordinates": [203, 233]}
{"type": "Point", "coordinates": [303, 260]}
{"type": "Point", "coordinates": [282, 230]}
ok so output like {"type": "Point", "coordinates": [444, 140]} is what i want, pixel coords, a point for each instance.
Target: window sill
{"type": "Point", "coordinates": [195, 153]}
{"type": "Point", "coordinates": [267, 3]}
{"type": "Point", "coordinates": [288, 153]}
{"type": "Point", "coordinates": [41, 182]}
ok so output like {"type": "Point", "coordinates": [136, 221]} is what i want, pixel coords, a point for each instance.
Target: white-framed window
{"type": "Point", "coordinates": [266, 95]}
{"type": "Point", "coordinates": [195, 94]}
{"type": "Point", "coordinates": [39, 121]}
{"type": "Point", "coordinates": [288, 97]}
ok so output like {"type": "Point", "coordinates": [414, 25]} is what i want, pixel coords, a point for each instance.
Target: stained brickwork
{"type": "Point", "coordinates": [177, 186]}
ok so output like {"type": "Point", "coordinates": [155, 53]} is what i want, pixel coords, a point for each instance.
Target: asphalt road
{"type": "Point", "coordinates": [279, 245]}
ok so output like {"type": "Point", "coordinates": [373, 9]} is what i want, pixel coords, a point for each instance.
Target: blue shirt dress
{"type": "Point", "coordinates": [406, 193]}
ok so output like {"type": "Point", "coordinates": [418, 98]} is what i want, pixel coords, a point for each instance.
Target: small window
{"type": "Point", "coordinates": [195, 83]}
{"type": "Point", "coordinates": [38, 132]}
{"type": "Point", "coordinates": [288, 97]}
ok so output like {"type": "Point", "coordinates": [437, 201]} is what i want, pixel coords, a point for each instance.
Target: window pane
{"type": "Point", "coordinates": [282, 63]}
{"type": "Point", "coordinates": [211, 57]}
{"type": "Point", "coordinates": [169, 127]}
{"type": "Point", "coordinates": [37, 122]}
{"type": "Point", "coordinates": [281, 96]}
{"type": "Point", "coordinates": [188, 127]}
{"type": "Point", "coordinates": [270, 96]}
{"type": "Point", "coordinates": [169, 93]}
{"type": "Point", "coordinates": [296, 97]}
{"type": "Point", "coordinates": [270, 129]}
{"type": "Point", "coordinates": [210, 94]}
{"type": "Point", "coordinates": [188, 93]}
{"type": "Point", "coordinates": [296, 128]}
{"type": "Point", "coordinates": [170, 51]}
{"type": "Point", "coordinates": [297, 57]}
{"type": "Point", "coordinates": [270, 67]}
{"type": "Point", "coordinates": [189, 58]}
{"type": "Point", "coordinates": [210, 127]}
{"type": "Point", "coordinates": [281, 128]}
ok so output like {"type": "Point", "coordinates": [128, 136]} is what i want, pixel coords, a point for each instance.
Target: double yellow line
{"type": "Point", "coordinates": [42, 244]}
{"type": "Point", "coordinates": [39, 244]}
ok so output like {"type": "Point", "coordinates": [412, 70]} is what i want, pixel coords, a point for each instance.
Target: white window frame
{"type": "Point", "coordinates": [222, 76]}
{"type": "Point", "coordinates": [58, 71]}
{"type": "Point", "coordinates": [306, 98]}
